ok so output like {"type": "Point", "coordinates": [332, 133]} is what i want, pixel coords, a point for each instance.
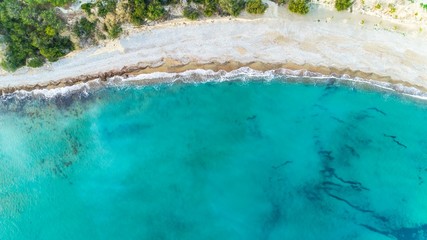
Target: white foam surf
{"type": "Point", "coordinates": [249, 74]}
{"type": "Point", "coordinates": [197, 76]}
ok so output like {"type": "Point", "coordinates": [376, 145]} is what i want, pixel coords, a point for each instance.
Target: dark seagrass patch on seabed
{"type": "Point", "coordinates": [25, 102]}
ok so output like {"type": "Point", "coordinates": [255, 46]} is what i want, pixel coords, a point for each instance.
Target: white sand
{"type": "Point", "coordinates": [338, 40]}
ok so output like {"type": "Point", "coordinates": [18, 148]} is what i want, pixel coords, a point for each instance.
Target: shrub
{"type": "Point", "coordinates": [31, 33]}
{"type": "Point", "coordinates": [341, 5]}
{"type": "Point", "coordinates": [167, 2]}
{"type": "Point", "coordinates": [57, 3]}
{"type": "Point", "coordinates": [210, 7]}
{"type": "Point", "coordinates": [155, 10]}
{"type": "Point", "coordinates": [232, 7]}
{"type": "Point", "coordinates": [191, 13]}
{"type": "Point", "coordinates": [256, 6]}
{"type": "Point", "coordinates": [196, 1]}
{"type": "Point", "coordinates": [87, 7]}
{"type": "Point", "coordinates": [100, 35]}
{"type": "Point", "coordinates": [85, 30]}
{"type": "Point", "coordinates": [138, 12]}
{"type": "Point", "coordinates": [106, 6]}
{"type": "Point", "coordinates": [55, 48]}
{"type": "Point", "coordinates": [50, 31]}
{"type": "Point", "coordinates": [280, 2]}
{"type": "Point", "coordinates": [392, 8]}
{"type": "Point", "coordinates": [299, 6]}
{"type": "Point", "coordinates": [114, 31]}
{"type": "Point", "coordinates": [14, 58]}
{"type": "Point", "coordinates": [35, 62]}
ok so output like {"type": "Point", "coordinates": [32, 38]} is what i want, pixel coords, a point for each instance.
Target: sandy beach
{"type": "Point", "coordinates": [324, 41]}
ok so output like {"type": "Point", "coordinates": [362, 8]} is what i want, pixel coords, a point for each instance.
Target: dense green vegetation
{"type": "Point", "coordinates": [195, 1]}
{"type": "Point", "coordinates": [341, 5]}
{"type": "Point", "coordinates": [106, 6]}
{"type": "Point", "coordinates": [232, 7]}
{"type": "Point", "coordinates": [210, 7]}
{"type": "Point", "coordinates": [35, 62]}
{"type": "Point", "coordinates": [137, 9]}
{"type": "Point", "coordinates": [50, 2]}
{"type": "Point", "coordinates": [85, 30]}
{"type": "Point", "coordinates": [191, 13]}
{"type": "Point", "coordinates": [280, 2]}
{"type": "Point", "coordinates": [155, 10]}
{"type": "Point", "coordinates": [107, 16]}
{"type": "Point", "coordinates": [256, 6]}
{"type": "Point", "coordinates": [299, 6]}
{"type": "Point", "coordinates": [87, 7]}
{"type": "Point", "coordinates": [32, 33]}
{"type": "Point", "coordinates": [114, 30]}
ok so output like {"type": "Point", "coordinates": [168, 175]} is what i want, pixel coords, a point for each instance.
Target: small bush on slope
{"type": "Point", "coordinates": [256, 6]}
{"type": "Point", "coordinates": [155, 11]}
{"type": "Point", "coordinates": [232, 7]}
{"type": "Point", "coordinates": [191, 13]}
{"type": "Point", "coordinates": [299, 6]}
{"type": "Point", "coordinates": [341, 5]}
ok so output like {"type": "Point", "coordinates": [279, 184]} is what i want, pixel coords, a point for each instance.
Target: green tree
{"type": "Point", "coordinates": [138, 11]}
{"type": "Point", "coordinates": [155, 10]}
{"type": "Point", "coordinates": [50, 31]}
{"type": "Point", "coordinates": [299, 6]}
{"type": "Point", "coordinates": [48, 18]}
{"type": "Point", "coordinates": [210, 7]}
{"type": "Point", "coordinates": [232, 7]}
{"type": "Point", "coordinates": [87, 7]}
{"type": "Point", "coordinates": [256, 6]}
{"type": "Point", "coordinates": [341, 5]}
{"type": "Point", "coordinates": [31, 33]}
{"type": "Point", "coordinates": [56, 48]}
{"type": "Point", "coordinates": [106, 6]}
{"type": "Point", "coordinates": [28, 16]}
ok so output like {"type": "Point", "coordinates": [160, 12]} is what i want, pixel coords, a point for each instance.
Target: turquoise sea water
{"type": "Point", "coordinates": [229, 160]}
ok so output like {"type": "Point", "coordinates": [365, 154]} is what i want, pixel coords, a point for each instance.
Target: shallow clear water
{"type": "Point", "coordinates": [230, 160]}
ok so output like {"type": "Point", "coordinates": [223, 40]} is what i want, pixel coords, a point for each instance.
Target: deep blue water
{"type": "Point", "coordinates": [229, 160]}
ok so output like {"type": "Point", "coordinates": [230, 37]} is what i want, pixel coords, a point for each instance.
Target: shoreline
{"type": "Point", "coordinates": [193, 73]}
{"type": "Point", "coordinates": [274, 41]}
{"type": "Point", "coordinates": [174, 67]}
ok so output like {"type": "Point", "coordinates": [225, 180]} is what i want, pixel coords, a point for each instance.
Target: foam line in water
{"type": "Point", "coordinates": [203, 76]}
{"type": "Point", "coordinates": [249, 74]}
{"type": "Point", "coordinates": [82, 88]}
